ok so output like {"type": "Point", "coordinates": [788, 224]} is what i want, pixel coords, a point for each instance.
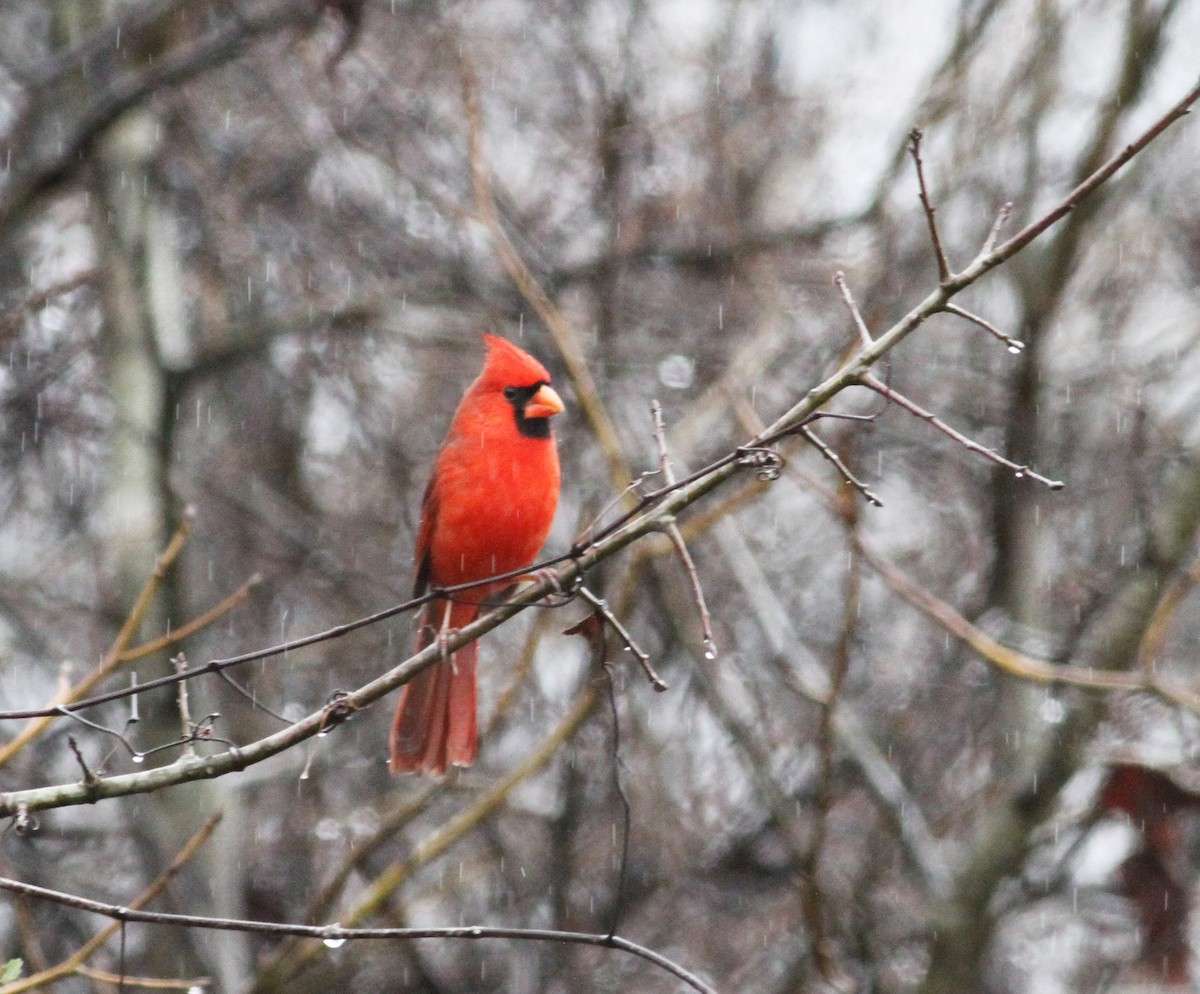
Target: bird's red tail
{"type": "Point", "coordinates": [435, 722]}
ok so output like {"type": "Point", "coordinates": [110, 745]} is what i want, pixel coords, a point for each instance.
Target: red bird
{"type": "Point", "coordinates": [487, 510]}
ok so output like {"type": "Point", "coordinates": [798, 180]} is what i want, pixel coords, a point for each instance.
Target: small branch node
{"type": "Point", "coordinates": [337, 711]}
{"type": "Point", "coordinates": [768, 462]}
{"type": "Point", "coordinates": [25, 823]}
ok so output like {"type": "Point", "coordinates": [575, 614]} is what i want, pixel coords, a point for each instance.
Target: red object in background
{"type": "Point", "coordinates": [487, 510]}
{"type": "Point", "coordinates": [1157, 876]}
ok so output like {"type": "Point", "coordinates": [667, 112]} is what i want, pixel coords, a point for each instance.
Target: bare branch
{"type": "Point", "coordinates": [1002, 217]}
{"type": "Point", "coordinates": [656, 507]}
{"type": "Point", "coordinates": [75, 962]}
{"type": "Point", "coordinates": [836, 461]}
{"type": "Point", "coordinates": [1014, 345]}
{"type": "Point", "coordinates": [672, 531]}
{"type": "Point", "coordinates": [864, 335]}
{"type": "Point", "coordinates": [604, 611]}
{"type": "Point", "coordinates": [914, 149]}
{"type": "Point", "coordinates": [334, 933]}
{"type": "Point", "coordinates": [913, 408]}
{"type": "Point", "coordinates": [1093, 182]}
{"type": "Point", "coordinates": [1019, 664]}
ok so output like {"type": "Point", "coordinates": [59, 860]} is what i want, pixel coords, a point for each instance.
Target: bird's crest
{"type": "Point", "coordinates": [509, 366]}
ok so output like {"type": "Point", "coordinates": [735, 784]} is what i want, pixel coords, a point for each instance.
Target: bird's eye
{"type": "Point", "coordinates": [510, 393]}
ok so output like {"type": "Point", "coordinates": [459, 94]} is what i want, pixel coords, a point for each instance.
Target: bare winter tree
{"type": "Point", "coordinates": [881, 455]}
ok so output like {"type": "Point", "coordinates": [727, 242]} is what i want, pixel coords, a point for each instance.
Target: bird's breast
{"type": "Point", "coordinates": [495, 506]}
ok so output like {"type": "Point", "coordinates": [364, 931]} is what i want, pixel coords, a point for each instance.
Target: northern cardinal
{"type": "Point", "coordinates": [487, 510]}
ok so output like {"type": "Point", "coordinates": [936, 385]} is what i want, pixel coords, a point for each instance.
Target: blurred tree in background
{"type": "Point", "coordinates": [249, 246]}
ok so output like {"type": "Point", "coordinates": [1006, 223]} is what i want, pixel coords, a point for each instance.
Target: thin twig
{"type": "Point", "coordinates": [914, 148]}
{"type": "Point", "coordinates": [144, 983]}
{"type": "Point", "coordinates": [868, 495]}
{"type": "Point", "coordinates": [75, 962]}
{"type": "Point", "coordinates": [334, 933]}
{"type": "Point", "coordinates": [251, 697]}
{"type": "Point", "coordinates": [88, 775]}
{"type": "Point", "coordinates": [864, 335]}
{"type": "Point", "coordinates": [121, 737]}
{"type": "Point", "coordinates": [689, 565]}
{"type": "Point", "coordinates": [185, 710]}
{"type": "Point", "coordinates": [900, 400]}
{"type": "Point", "coordinates": [1002, 216]}
{"type": "Point", "coordinates": [602, 608]}
{"type": "Point", "coordinates": [1014, 345]}
{"type": "Point", "coordinates": [660, 441]}
{"type": "Point", "coordinates": [672, 531]}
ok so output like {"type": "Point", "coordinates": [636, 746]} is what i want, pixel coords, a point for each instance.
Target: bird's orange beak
{"type": "Point", "coordinates": [544, 404]}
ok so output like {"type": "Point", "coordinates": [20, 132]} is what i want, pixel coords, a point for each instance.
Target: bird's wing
{"type": "Point", "coordinates": [429, 509]}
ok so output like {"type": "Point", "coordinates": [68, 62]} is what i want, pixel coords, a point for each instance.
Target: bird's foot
{"type": "Point", "coordinates": [444, 636]}
{"type": "Point", "coordinates": [559, 595]}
